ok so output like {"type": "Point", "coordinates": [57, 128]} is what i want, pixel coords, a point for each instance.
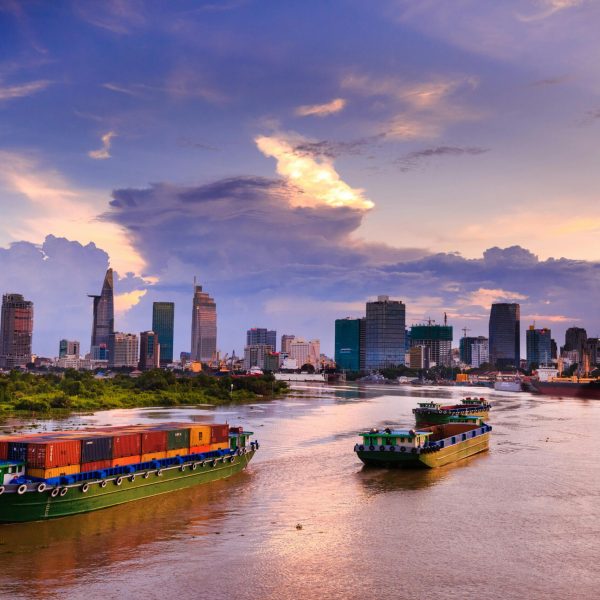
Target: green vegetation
{"type": "Point", "coordinates": [80, 391]}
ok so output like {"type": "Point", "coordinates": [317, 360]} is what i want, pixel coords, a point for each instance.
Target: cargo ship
{"type": "Point", "coordinates": [435, 413]}
{"type": "Point", "coordinates": [429, 447]}
{"type": "Point", "coordinates": [58, 474]}
{"type": "Point", "coordinates": [572, 388]}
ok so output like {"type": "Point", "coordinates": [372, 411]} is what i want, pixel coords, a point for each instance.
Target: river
{"type": "Point", "coordinates": [520, 521]}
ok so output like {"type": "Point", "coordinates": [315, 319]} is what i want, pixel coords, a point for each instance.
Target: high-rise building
{"type": "Point", "coordinates": [149, 350]}
{"type": "Point", "coordinates": [104, 316]}
{"type": "Point", "coordinates": [254, 355]}
{"type": "Point", "coordinates": [539, 346]}
{"type": "Point", "coordinates": [592, 347]}
{"type": "Point", "coordinates": [123, 350]}
{"type": "Point", "coordinates": [575, 339]}
{"type": "Point", "coordinates": [349, 344]}
{"type": "Point", "coordinates": [384, 333]}
{"type": "Point", "coordinates": [419, 357]}
{"type": "Point", "coordinates": [304, 352]}
{"type": "Point", "coordinates": [505, 335]}
{"type": "Point", "coordinates": [480, 352]}
{"type": "Point", "coordinates": [438, 338]}
{"type": "Point", "coordinates": [466, 348]}
{"type": "Point", "coordinates": [204, 326]}
{"type": "Point", "coordinates": [163, 324]}
{"type": "Point", "coordinates": [68, 348]}
{"type": "Point", "coordinates": [286, 340]}
{"type": "Point", "coordinates": [554, 349]}
{"type": "Point", "coordinates": [16, 331]}
{"type": "Point", "coordinates": [259, 335]}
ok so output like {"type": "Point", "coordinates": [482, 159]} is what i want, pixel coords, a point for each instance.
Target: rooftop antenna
{"type": "Point", "coordinates": [445, 319]}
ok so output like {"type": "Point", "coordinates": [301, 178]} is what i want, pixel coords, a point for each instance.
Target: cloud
{"type": "Point", "coordinates": [317, 179]}
{"type": "Point", "coordinates": [485, 297]}
{"type": "Point", "coordinates": [104, 152]}
{"type": "Point", "coordinates": [127, 300]}
{"type": "Point", "coordinates": [10, 92]}
{"type": "Point", "coordinates": [334, 149]}
{"type": "Point", "coordinates": [321, 110]}
{"type": "Point", "coordinates": [53, 204]}
{"type": "Point", "coordinates": [117, 16]}
{"type": "Point", "coordinates": [548, 8]}
{"type": "Point", "coordinates": [410, 160]}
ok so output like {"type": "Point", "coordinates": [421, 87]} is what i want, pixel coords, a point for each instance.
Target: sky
{"type": "Point", "coordinates": [300, 159]}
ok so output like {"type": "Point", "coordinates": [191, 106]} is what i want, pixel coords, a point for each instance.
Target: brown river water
{"type": "Point", "coordinates": [520, 521]}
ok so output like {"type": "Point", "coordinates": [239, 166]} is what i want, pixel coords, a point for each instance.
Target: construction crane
{"type": "Point", "coordinates": [464, 330]}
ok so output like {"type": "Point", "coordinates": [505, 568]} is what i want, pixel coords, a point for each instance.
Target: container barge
{"type": "Point", "coordinates": [434, 413]}
{"type": "Point", "coordinates": [430, 447]}
{"type": "Point", "coordinates": [46, 476]}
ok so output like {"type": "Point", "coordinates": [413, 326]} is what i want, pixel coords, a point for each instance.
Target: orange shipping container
{"type": "Point", "coordinates": [154, 456]}
{"type": "Point", "coordinates": [125, 460]}
{"type": "Point", "coordinates": [219, 446]}
{"type": "Point", "coordinates": [97, 465]}
{"type": "Point", "coordinates": [55, 472]}
{"type": "Point", "coordinates": [199, 435]}
{"type": "Point", "coordinates": [176, 452]}
{"type": "Point", "coordinates": [199, 449]}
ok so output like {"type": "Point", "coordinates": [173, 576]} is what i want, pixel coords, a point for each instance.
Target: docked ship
{"type": "Point", "coordinates": [435, 413]}
{"type": "Point", "coordinates": [45, 476]}
{"type": "Point", "coordinates": [573, 388]}
{"type": "Point", "coordinates": [430, 447]}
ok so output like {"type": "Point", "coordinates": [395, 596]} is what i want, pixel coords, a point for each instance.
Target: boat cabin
{"type": "Point", "coordinates": [238, 438]}
{"type": "Point", "coordinates": [9, 470]}
{"type": "Point", "coordinates": [409, 438]}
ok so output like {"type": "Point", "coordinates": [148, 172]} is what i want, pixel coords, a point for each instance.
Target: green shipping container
{"type": "Point", "coordinates": [178, 438]}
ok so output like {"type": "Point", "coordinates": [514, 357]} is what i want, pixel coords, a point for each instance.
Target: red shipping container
{"type": "Point", "coordinates": [125, 460]}
{"type": "Point", "coordinates": [3, 449]}
{"type": "Point", "coordinates": [199, 449]}
{"type": "Point", "coordinates": [219, 433]}
{"type": "Point", "coordinates": [236, 430]}
{"type": "Point", "coordinates": [154, 441]}
{"type": "Point", "coordinates": [48, 454]}
{"type": "Point", "coordinates": [97, 465]}
{"type": "Point", "coordinates": [127, 444]}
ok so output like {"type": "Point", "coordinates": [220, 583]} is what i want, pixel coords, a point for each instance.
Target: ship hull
{"type": "Point", "coordinates": [429, 460]}
{"type": "Point", "coordinates": [437, 418]}
{"type": "Point", "coordinates": [567, 389]}
{"type": "Point", "coordinates": [37, 506]}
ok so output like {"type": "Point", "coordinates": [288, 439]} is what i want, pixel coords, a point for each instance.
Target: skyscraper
{"type": "Point", "coordinates": [123, 350]}
{"type": "Point", "coordinates": [539, 346]}
{"type": "Point", "coordinates": [68, 348]}
{"type": "Point", "coordinates": [286, 340]}
{"type": "Point", "coordinates": [104, 316]}
{"type": "Point", "coordinates": [349, 344]}
{"type": "Point", "coordinates": [163, 324]}
{"type": "Point", "coordinates": [204, 326]}
{"type": "Point", "coordinates": [575, 339]}
{"type": "Point", "coordinates": [260, 335]}
{"type": "Point", "coordinates": [16, 331]}
{"type": "Point", "coordinates": [149, 350]}
{"type": "Point", "coordinates": [505, 335]}
{"type": "Point", "coordinates": [438, 338]}
{"type": "Point", "coordinates": [384, 333]}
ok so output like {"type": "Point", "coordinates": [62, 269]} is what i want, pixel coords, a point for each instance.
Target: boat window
{"type": "Point", "coordinates": [10, 469]}
{"type": "Point", "coordinates": [464, 436]}
{"type": "Point", "coordinates": [454, 440]}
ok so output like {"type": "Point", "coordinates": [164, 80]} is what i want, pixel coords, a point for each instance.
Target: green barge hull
{"type": "Point", "coordinates": [72, 499]}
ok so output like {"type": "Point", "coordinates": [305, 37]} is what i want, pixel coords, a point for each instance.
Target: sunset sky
{"type": "Point", "coordinates": [300, 158]}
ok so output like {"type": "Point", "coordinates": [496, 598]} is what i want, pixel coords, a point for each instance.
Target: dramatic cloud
{"type": "Point", "coordinates": [411, 159]}
{"type": "Point", "coordinates": [316, 178]}
{"type": "Point", "coordinates": [321, 110]}
{"type": "Point", "coordinates": [333, 149]}
{"type": "Point", "coordinates": [10, 92]}
{"type": "Point", "coordinates": [104, 152]}
{"type": "Point", "coordinates": [547, 8]}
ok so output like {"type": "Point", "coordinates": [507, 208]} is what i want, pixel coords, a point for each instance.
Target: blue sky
{"type": "Point", "coordinates": [300, 158]}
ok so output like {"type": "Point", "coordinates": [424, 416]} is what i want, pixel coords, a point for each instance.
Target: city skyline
{"type": "Point", "coordinates": [438, 156]}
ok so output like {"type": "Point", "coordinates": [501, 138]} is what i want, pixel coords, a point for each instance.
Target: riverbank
{"type": "Point", "coordinates": [60, 394]}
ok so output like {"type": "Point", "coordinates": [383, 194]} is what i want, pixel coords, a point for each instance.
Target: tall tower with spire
{"type": "Point", "coordinates": [204, 326]}
{"type": "Point", "coordinates": [104, 318]}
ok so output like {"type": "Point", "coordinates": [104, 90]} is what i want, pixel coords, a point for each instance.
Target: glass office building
{"type": "Point", "coordinates": [384, 333]}
{"type": "Point", "coordinates": [505, 335]}
{"type": "Point", "coordinates": [539, 347]}
{"type": "Point", "coordinates": [163, 323]}
{"type": "Point", "coordinates": [349, 344]}
{"type": "Point", "coordinates": [104, 315]}
{"type": "Point", "coordinates": [204, 326]}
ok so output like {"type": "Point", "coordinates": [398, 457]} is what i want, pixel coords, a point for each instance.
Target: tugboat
{"type": "Point", "coordinates": [66, 473]}
{"type": "Point", "coordinates": [429, 447]}
{"type": "Point", "coordinates": [434, 413]}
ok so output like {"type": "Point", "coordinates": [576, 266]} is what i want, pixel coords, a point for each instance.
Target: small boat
{"type": "Point", "coordinates": [429, 447]}
{"type": "Point", "coordinates": [511, 383]}
{"type": "Point", "coordinates": [435, 413]}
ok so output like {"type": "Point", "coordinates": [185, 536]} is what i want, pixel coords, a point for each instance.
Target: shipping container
{"type": "Point", "coordinates": [3, 449]}
{"type": "Point", "coordinates": [199, 449]}
{"type": "Point", "coordinates": [96, 465]}
{"type": "Point", "coordinates": [17, 451]}
{"type": "Point", "coordinates": [154, 441]}
{"type": "Point", "coordinates": [96, 448]}
{"type": "Point", "coordinates": [154, 456]}
{"type": "Point", "coordinates": [48, 454]}
{"type": "Point", "coordinates": [236, 430]}
{"type": "Point", "coordinates": [219, 433]}
{"type": "Point", "coordinates": [126, 444]}
{"type": "Point", "coordinates": [54, 472]}
{"type": "Point", "coordinates": [199, 435]}
{"type": "Point", "coordinates": [126, 460]}
{"type": "Point", "coordinates": [178, 438]}
{"type": "Point", "coordinates": [177, 452]}
{"type": "Point", "coordinates": [219, 446]}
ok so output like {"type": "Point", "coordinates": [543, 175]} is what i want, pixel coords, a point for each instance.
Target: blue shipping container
{"type": "Point", "coordinates": [96, 448]}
